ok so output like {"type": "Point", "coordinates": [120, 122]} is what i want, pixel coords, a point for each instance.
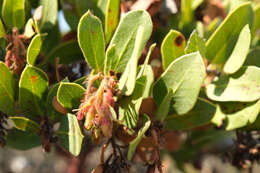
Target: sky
{"type": "Point", "coordinates": [63, 25]}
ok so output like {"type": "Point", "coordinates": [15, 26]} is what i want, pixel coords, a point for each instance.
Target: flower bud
{"type": "Point", "coordinates": [96, 133]}
{"type": "Point", "coordinates": [108, 98]}
{"type": "Point", "coordinates": [89, 117]}
{"type": "Point", "coordinates": [107, 126]}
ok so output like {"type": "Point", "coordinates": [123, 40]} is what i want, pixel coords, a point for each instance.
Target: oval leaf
{"type": "Point", "coordinates": [164, 107]}
{"type": "Point", "coordinates": [238, 56]}
{"type": "Point", "coordinates": [196, 43]}
{"type": "Point", "coordinates": [22, 140]}
{"type": "Point", "coordinates": [220, 45]}
{"type": "Point", "coordinates": [110, 59]}
{"type": "Point", "coordinates": [253, 57]}
{"type": "Point", "coordinates": [243, 86]}
{"type": "Point", "coordinates": [125, 35]}
{"type": "Point", "coordinates": [172, 47]}
{"type": "Point", "coordinates": [2, 29]}
{"type": "Point", "coordinates": [202, 114]}
{"type": "Point", "coordinates": [245, 116]}
{"type": "Point", "coordinates": [69, 134]}
{"type": "Point", "coordinates": [8, 89]}
{"type": "Point", "coordinates": [25, 124]}
{"type": "Point", "coordinates": [34, 49]}
{"type": "Point", "coordinates": [256, 19]}
{"type": "Point", "coordinates": [129, 106]}
{"type": "Point", "coordinates": [111, 18]}
{"type": "Point", "coordinates": [70, 94]}
{"type": "Point", "coordinates": [53, 114]}
{"type": "Point", "coordinates": [29, 29]}
{"type": "Point", "coordinates": [13, 13]}
{"type": "Point", "coordinates": [127, 80]}
{"type": "Point", "coordinates": [49, 13]}
{"type": "Point", "coordinates": [184, 77]}
{"type": "Point", "coordinates": [71, 54]}
{"type": "Point", "coordinates": [91, 40]}
{"type": "Point", "coordinates": [134, 143]}
{"type": "Point", "coordinates": [33, 86]}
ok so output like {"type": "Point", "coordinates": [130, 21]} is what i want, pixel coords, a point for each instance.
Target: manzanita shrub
{"type": "Point", "coordinates": [208, 87]}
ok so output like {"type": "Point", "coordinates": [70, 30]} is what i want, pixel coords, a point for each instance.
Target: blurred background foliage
{"type": "Point", "coordinates": [200, 150]}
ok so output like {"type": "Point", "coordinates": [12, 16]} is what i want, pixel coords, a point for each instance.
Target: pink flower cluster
{"type": "Point", "coordinates": [96, 105]}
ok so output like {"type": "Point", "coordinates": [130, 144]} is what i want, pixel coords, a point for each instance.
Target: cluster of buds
{"type": "Point", "coordinates": [15, 52]}
{"type": "Point", "coordinates": [96, 105]}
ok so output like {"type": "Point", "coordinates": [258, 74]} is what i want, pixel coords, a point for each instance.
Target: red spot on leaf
{"type": "Point", "coordinates": [33, 79]}
{"type": "Point", "coordinates": [92, 32]}
{"type": "Point", "coordinates": [110, 23]}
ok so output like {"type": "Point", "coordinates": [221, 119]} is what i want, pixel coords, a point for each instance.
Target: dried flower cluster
{"type": "Point", "coordinates": [96, 105]}
{"type": "Point", "coordinates": [247, 149]}
{"type": "Point", "coordinates": [15, 52]}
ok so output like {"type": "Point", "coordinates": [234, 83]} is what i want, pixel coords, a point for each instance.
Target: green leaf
{"type": "Point", "coordinates": [134, 143]}
{"type": "Point", "coordinates": [51, 40]}
{"type": "Point", "coordinates": [231, 5]}
{"type": "Point", "coordinates": [202, 114]}
{"type": "Point", "coordinates": [186, 23]}
{"type": "Point", "coordinates": [220, 45]}
{"type": "Point", "coordinates": [71, 14]}
{"type": "Point", "coordinates": [13, 13]}
{"type": "Point", "coordinates": [246, 114]}
{"type": "Point", "coordinates": [147, 72]}
{"type": "Point", "coordinates": [218, 118]}
{"type": "Point", "coordinates": [256, 25]}
{"type": "Point", "coordinates": [33, 88]}
{"type": "Point", "coordinates": [196, 43]}
{"type": "Point", "coordinates": [8, 90]}
{"type": "Point", "coordinates": [83, 6]}
{"type": "Point", "coordinates": [34, 49]}
{"type": "Point", "coordinates": [91, 40]}
{"type": "Point", "coordinates": [29, 28]}
{"type": "Point", "coordinates": [243, 86]}
{"type": "Point", "coordinates": [111, 18]}
{"type": "Point", "coordinates": [212, 27]}
{"type": "Point", "coordinates": [71, 54]}
{"type": "Point", "coordinates": [200, 30]}
{"type": "Point", "coordinates": [49, 13]}
{"type": "Point", "coordinates": [33, 3]}
{"type": "Point", "coordinates": [70, 94]}
{"type": "Point", "coordinates": [52, 113]}
{"type": "Point", "coordinates": [129, 106]}
{"type": "Point", "coordinates": [184, 77]}
{"type": "Point", "coordinates": [81, 81]}
{"type": "Point", "coordinates": [2, 29]}
{"type": "Point", "coordinates": [110, 59]}
{"type": "Point", "coordinates": [147, 58]}
{"type": "Point", "coordinates": [125, 35]}
{"type": "Point", "coordinates": [22, 140]}
{"type": "Point", "coordinates": [74, 9]}
{"type": "Point", "coordinates": [69, 134]}
{"type": "Point", "coordinates": [172, 47]}
{"type": "Point", "coordinates": [25, 124]}
{"type": "Point", "coordinates": [253, 58]}
{"type": "Point", "coordinates": [127, 80]}
{"type": "Point", "coordinates": [164, 107]}
{"type": "Point", "coordinates": [238, 56]}
{"type": "Point", "coordinates": [196, 3]}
